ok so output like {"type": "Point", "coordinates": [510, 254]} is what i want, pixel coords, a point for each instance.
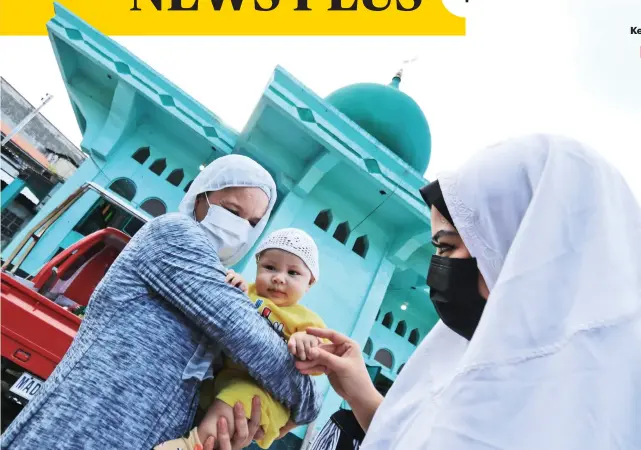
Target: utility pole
{"type": "Point", "coordinates": [26, 120]}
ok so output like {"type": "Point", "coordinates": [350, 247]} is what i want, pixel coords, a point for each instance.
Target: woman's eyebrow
{"type": "Point", "coordinates": [241, 211]}
{"type": "Point", "coordinates": [232, 204]}
{"type": "Point", "coordinates": [443, 233]}
{"type": "Point", "coordinates": [238, 209]}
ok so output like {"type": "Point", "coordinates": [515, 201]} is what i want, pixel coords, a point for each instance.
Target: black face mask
{"type": "Point", "coordinates": [454, 290]}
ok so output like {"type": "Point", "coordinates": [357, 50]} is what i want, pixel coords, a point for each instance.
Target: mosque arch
{"type": "Point", "coordinates": [388, 320]}
{"type": "Point", "coordinates": [154, 206]}
{"type": "Point", "coordinates": [324, 219]}
{"type": "Point", "coordinates": [369, 347]}
{"type": "Point", "coordinates": [385, 358]}
{"type": "Point", "coordinates": [158, 166]}
{"type": "Point", "coordinates": [414, 337]}
{"type": "Point", "coordinates": [401, 328]}
{"type": "Point", "coordinates": [176, 177]}
{"type": "Point", "coordinates": [361, 245]}
{"type": "Point", "coordinates": [141, 155]}
{"type": "Point", "coordinates": [342, 232]}
{"type": "Point", "coordinates": [123, 187]}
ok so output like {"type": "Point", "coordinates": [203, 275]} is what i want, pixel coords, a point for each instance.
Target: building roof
{"type": "Point", "coordinates": [24, 144]}
{"type": "Point", "coordinates": [105, 65]}
{"type": "Point", "coordinates": [39, 133]}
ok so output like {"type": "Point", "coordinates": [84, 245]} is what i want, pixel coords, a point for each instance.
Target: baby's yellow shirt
{"type": "Point", "coordinates": [285, 320]}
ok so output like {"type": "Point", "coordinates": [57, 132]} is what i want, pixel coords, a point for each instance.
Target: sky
{"type": "Point", "coordinates": [561, 66]}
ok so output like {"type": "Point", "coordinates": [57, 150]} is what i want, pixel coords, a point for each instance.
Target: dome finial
{"type": "Point", "coordinates": [396, 81]}
{"type": "Point", "coordinates": [397, 78]}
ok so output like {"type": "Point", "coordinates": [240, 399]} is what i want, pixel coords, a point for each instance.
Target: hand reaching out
{"type": "Point", "coordinates": [342, 362]}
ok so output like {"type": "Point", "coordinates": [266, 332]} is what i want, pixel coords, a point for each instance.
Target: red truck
{"type": "Point", "coordinates": [41, 314]}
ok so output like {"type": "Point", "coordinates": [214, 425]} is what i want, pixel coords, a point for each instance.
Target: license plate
{"type": "Point", "coordinates": [27, 386]}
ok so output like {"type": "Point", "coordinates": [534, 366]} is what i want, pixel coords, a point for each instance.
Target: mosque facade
{"type": "Point", "coordinates": [348, 169]}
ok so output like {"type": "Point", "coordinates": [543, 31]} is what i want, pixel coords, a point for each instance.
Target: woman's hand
{"type": "Point", "coordinates": [246, 430]}
{"type": "Point", "coordinates": [289, 426]}
{"type": "Point", "coordinates": [342, 362]}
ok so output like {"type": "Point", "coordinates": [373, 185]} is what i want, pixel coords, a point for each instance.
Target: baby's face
{"type": "Point", "coordinates": [282, 277]}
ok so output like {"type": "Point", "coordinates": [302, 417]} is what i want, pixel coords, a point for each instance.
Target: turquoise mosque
{"type": "Point", "coordinates": [348, 169]}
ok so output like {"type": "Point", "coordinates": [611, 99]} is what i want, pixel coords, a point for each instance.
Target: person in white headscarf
{"type": "Point", "coordinates": [537, 280]}
{"type": "Point", "coordinates": [232, 199]}
{"type": "Point", "coordinates": [158, 321]}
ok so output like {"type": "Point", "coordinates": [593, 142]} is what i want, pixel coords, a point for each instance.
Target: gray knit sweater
{"type": "Point", "coordinates": [127, 380]}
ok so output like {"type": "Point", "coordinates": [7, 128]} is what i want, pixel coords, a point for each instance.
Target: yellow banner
{"type": "Point", "coordinates": [240, 17]}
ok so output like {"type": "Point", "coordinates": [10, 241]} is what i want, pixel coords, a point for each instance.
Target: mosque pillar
{"type": "Point", "coordinates": [12, 190]}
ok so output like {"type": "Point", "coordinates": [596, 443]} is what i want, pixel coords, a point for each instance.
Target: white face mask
{"type": "Point", "coordinates": [226, 231]}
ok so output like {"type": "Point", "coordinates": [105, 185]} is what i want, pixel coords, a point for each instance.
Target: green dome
{"type": "Point", "coordinates": [391, 116]}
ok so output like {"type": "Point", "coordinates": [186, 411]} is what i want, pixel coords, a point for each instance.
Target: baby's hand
{"type": "Point", "coordinates": [236, 280]}
{"type": "Point", "coordinates": [300, 344]}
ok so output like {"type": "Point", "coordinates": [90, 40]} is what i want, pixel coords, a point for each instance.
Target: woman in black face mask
{"type": "Point", "coordinates": [537, 280]}
{"type": "Point", "coordinates": [457, 288]}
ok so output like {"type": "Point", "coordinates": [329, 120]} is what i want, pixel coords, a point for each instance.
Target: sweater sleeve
{"type": "Point", "coordinates": [176, 260]}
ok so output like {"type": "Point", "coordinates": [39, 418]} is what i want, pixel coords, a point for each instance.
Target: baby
{"type": "Point", "coordinates": [287, 266]}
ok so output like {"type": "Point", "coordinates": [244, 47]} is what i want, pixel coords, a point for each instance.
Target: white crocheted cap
{"type": "Point", "coordinates": [296, 242]}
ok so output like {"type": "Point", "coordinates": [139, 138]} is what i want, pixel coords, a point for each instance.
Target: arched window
{"type": "Point", "coordinates": [124, 187]}
{"type": "Point", "coordinates": [388, 320]}
{"type": "Point", "coordinates": [369, 347]}
{"type": "Point", "coordinates": [361, 245]}
{"type": "Point", "coordinates": [188, 186]}
{"type": "Point", "coordinates": [385, 357]}
{"type": "Point", "coordinates": [323, 220]}
{"type": "Point", "coordinates": [154, 207]}
{"type": "Point", "coordinates": [176, 177]}
{"type": "Point", "coordinates": [342, 232]}
{"type": "Point", "coordinates": [158, 166]}
{"type": "Point", "coordinates": [401, 328]}
{"type": "Point", "coordinates": [141, 155]}
{"type": "Point", "coordinates": [400, 368]}
{"type": "Point", "coordinates": [414, 337]}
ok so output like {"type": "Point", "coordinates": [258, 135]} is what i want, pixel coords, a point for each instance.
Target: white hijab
{"type": "Point", "coordinates": [232, 171]}
{"type": "Point", "coordinates": [555, 362]}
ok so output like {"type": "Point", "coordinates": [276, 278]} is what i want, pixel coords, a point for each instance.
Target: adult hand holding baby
{"type": "Point", "coordinates": [245, 430]}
